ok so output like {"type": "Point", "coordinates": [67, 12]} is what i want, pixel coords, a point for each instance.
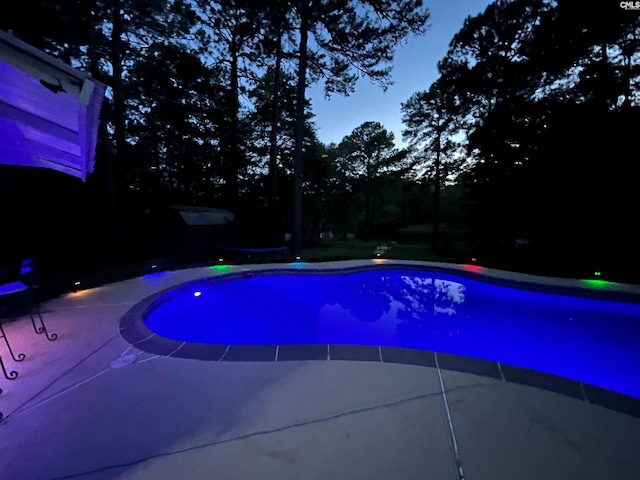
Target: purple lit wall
{"type": "Point", "coordinates": [53, 126]}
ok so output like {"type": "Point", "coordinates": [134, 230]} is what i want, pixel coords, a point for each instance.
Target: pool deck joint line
{"type": "Point", "coordinates": [584, 393]}
{"type": "Point", "coordinates": [452, 433]}
{"type": "Point", "coordinates": [225, 352]}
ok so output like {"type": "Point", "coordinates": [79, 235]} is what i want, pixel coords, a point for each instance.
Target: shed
{"type": "Point", "coordinates": [189, 233]}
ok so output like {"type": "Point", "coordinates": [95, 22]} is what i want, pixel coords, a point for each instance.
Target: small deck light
{"type": "Point", "coordinates": [297, 257]}
{"type": "Point", "coordinates": [474, 259]}
{"type": "Point", "coordinates": [597, 273]}
{"type": "Point", "coordinates": [221, 260]}
{"type": "Point", "coordinates": [153, 267]}
{"type": "Point", "coordinates": [197, 294]}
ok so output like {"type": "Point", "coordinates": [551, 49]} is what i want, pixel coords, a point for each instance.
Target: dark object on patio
{"type": "Point", "coordinates": [16, 298]}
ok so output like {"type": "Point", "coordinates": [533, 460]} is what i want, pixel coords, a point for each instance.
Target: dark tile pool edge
{"type": "Point", "coordinates": [250, 353]}
{"type": "Point", "coordinates": [613, 400]}
{"type": "Point", "coordinates": [544, 381]}
{"type": "Point", "coordinates": [361, 353]}
{"type": "Point", "coordinates": [134, 331]}
{"type": "Point", "coordinates": [302, 352]}
{"type": "Point", "coordinates": [398, 355]}
{"type": "Point", "coordinates": [484, 368]}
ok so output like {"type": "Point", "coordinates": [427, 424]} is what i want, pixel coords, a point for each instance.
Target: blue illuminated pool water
{"type": "Point", "coordinates": [589, 340]}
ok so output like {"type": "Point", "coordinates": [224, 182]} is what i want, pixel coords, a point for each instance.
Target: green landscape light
{"type": "Point", "coordinates": [598, 283]}
{"type": "Point", "coordinates": [220, 268]}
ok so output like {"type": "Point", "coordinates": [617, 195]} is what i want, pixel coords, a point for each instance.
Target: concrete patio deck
{"type": "Point", "coordinates": [79, 410]}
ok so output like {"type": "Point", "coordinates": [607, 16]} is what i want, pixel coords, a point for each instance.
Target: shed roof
{"type": "Point", "coordinates": [203, 215]}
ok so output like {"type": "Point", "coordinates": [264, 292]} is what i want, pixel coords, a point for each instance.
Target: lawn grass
{"type": "Point", "coordinates": [413, 252]}
{"type": "Point", "coordinates": [338, 250]}
{"type": "Point", "coordinates": [422, 229]}
{"type": "Point", "coordinates": [427, 229]}
{"type": "Point", "coordinates": [357, 249]}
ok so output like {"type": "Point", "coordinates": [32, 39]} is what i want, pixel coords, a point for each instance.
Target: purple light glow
{"type": "Point", "coordinates": [39, 127]}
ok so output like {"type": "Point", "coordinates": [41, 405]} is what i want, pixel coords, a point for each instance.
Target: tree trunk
{"type": "Point", "coordinates": [273, 141]}
{"type": "Point", "coordinates": [233, 159]}
{"type": "Point", "coordinates": [345, 209]}
{"type": "Point", "coordinates": [104, 142]}
{"type": "Point", "coordinates": [435, 226]}
{"type": "Point", "coordinates": [299, 135]}
{"type": "Point", "coordinates": [604, 66]}
{"type": "Point", "coordinates": [367, 213]}
{"type": "Point", "coordinates": [627, 83]}
{"type": "Point", "coordinates": [314, 233]}
{"type": "Point", "coordinates": [113, 162]}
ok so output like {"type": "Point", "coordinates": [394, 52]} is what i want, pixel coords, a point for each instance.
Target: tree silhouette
{"type": "Point", "coordinates": [173, 127]}
{"type": "Point", "coordinates": [352, 39]}
{"type": "Point", "coordinates": [370, 150]}
{"type": "Point", "coordinates": [431, 119]}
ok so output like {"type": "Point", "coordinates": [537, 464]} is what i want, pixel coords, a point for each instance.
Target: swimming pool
{"type": "Point", "coordinates": [584, 339]}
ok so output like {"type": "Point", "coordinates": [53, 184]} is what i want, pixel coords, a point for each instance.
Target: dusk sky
{"type": "Point", "coordinates": [414, 70]}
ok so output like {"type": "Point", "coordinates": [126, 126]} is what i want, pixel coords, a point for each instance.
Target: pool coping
{"type": "Point", "coordinates": [134, 331]}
